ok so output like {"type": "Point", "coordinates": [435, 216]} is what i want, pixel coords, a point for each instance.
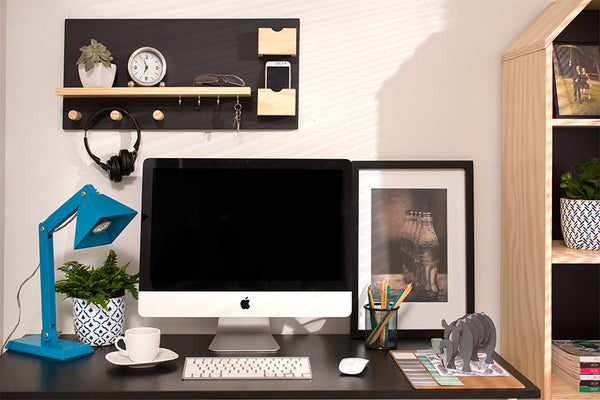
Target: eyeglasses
{"type": "Point", "coordinates": [218, 80]}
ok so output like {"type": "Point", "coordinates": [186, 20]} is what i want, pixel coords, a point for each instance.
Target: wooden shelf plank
{"type": "Point", "coordinates": [561, 254]}
{"type": "Point", "coordinates": [561, 390]}
{"type": "Point", "coordinates": [576, 122]}
{"type": "Point", "coordinates": [154, 92]}
{"type": "Point", "coordinates": [545, 28]}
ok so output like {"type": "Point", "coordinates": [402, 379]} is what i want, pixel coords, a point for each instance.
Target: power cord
{"type": "Point", "coordinates": [19, 304]}
{"type": "Point", "coordinates": [27, 280]}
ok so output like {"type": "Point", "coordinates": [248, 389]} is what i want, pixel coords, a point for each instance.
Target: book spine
{"type": "Point", "coordinates": [589, 388]}
{"type": "Point", "coordinates": [595, 378]}
{"type": "Point", "coordinates": [589, 383]}
{"type": "Point", "coordinates": [589, 371]}
{"type": "Point", "coordinates": [589, 365]}
{"type": "Point", "coordinates": [589, 359]}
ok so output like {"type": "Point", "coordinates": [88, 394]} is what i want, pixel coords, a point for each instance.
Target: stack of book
{"type": "Point", "coordinates": [578, 363]}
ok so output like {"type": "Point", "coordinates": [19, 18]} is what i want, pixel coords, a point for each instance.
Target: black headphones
{"type": "Point", "coordinates": [119, 165]}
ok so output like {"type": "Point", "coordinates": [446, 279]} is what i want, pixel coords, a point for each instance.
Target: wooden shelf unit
{"type": "Point", "coordinates": [528, 250]}
{"type": "Point", "coordinates": [181, 91]}
{"type": "Point", "coordinates": [561, 390]}
{"type": "Point", "coordinates": [561, 254]}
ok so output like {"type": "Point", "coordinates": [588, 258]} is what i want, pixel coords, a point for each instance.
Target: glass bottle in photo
{"type": "Point", "coordinates": [428, 249]}
{"type": "Point", "coordinates": [406, 244]}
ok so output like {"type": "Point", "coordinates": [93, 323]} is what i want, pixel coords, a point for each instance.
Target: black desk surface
{"type": "Point", "coordinates": [25, 376]}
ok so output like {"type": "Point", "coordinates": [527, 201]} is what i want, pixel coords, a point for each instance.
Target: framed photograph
{"type": "Point", "coordinates": [576, 82]}
{"type": "Point", "coordinates": [415, 225]}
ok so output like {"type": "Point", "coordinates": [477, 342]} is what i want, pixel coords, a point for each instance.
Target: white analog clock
{"type": "Point", "coordinates": [147, 66]}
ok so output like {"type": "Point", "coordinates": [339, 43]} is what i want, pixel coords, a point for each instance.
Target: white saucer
{"type": "Point", "coordinates": [163, 355]}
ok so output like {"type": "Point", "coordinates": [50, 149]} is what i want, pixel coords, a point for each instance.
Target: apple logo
{"type": "Point", "coordinates": [245, 304]}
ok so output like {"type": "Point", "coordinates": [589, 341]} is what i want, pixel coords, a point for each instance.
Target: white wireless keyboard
{"type": "Point", "coordinates": [247, 368]}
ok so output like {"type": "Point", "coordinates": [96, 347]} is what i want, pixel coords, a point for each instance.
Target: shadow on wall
{"type": "Point", "coordinates": [446, 89]}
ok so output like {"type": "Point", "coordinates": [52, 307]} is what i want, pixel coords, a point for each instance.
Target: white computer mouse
{"type": "Point", "coordinates": [352, 365]}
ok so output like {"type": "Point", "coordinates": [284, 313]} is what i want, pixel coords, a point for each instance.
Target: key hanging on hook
{"type": "Point", "coordinates": [237, 120]}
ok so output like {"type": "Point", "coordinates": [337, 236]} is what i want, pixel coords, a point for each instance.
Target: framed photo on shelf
{"type": "Point", "coordinates": [415, 225]}
{"type": "Point", "coordinates": [576, 81]}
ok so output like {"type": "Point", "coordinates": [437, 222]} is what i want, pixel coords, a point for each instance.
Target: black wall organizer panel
{"type": "Point", "coordinates": [191, 47]}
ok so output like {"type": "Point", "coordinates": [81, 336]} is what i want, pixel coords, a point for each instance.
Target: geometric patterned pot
{"type": "Point", "coordinates": [580, 223]}
{"type": "Point", "coordinates": [95, 325]}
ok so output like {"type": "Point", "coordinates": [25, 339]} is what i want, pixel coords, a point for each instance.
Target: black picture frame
{"type": "Point", "coordinates": [566, 58]}
{"type": "Point", "coordinates": [396, 186]}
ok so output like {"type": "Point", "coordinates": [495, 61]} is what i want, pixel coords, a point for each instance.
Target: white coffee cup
{"type": "Point", "coordinates": [142, 344]}
{"type": "Point", "coordinates": [435, 345]}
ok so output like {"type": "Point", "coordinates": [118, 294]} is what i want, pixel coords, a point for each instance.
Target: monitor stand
{"type": "Point", "coordinates": [244, 335]}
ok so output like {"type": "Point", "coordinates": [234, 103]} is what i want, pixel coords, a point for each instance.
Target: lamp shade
{"type": "Point", "coordinates": [100, 219]}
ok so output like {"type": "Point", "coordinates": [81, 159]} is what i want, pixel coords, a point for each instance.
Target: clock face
{"type": "Point", "coordinates": [147, 66]}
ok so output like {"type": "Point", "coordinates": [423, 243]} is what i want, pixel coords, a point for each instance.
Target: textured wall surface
{"type": "Point", "coordinates": [406, 80]}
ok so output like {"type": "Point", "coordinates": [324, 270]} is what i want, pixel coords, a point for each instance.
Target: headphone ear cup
{"type": "Point", "coordinates": [126, 159]}
{"type": "Point", "coordinates": [114, 169]}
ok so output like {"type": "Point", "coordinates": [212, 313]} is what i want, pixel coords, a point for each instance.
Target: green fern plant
{"type": "Point", "coordinates": [97, 285]}
{"type": "Point", "coordinates": [93, 53]}
{"type": "Point", "coordinates": [588, 185]}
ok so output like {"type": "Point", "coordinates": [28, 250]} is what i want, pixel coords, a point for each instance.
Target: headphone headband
{"type": "Point", "coordinates": [94, 118]}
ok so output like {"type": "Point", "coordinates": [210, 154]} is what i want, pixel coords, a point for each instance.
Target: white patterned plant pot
{"type": "Point", "coordinates": [580, 223]}
{"type": "Point", "coordinates": [95, 325]}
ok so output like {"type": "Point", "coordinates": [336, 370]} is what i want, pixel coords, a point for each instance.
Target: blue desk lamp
{"type": "Point", "coordinates": [100, 219]}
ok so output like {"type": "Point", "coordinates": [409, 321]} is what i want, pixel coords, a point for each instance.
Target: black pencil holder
{"type": "Point", "coordinates": [381, 327]}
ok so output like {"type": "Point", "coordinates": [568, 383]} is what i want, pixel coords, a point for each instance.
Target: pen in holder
{"type": "Point", "coordinates": [381, 325]}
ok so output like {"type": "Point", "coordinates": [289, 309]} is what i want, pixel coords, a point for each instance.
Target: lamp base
{"type": "Point", "coordinates": [63, 350]}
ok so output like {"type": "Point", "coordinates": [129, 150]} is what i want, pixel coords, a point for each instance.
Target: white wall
{"type": "Point", "coordinates": [405, 79]}
{"type": "Point", "coordinates": [2, 150]}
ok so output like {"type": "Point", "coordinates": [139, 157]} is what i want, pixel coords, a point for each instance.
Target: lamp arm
{"type": "Point", "coordinates": [47, 278]}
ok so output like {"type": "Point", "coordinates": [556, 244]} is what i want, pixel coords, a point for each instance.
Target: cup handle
{"type": "Point", "coordinates": [121, 351]}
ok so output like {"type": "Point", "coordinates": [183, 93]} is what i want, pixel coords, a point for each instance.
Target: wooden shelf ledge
{"type": "Point", "coordinates": [561, 390]}
{"type": "Point", "coordinates": [182, 91]}
{"type": "Point", "coordinates": [561, 254]}
{"type": "Point", "coordinates": [576, 122]}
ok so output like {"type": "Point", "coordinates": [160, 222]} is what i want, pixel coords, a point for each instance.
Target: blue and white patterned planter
{"type": "Point", "coordinates": [580, 223]}
{"type": "Point", "coordinates": [95, 325]}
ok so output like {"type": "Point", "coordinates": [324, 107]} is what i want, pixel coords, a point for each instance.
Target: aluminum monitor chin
{"type": "Point", "coordinates": [246, 238]}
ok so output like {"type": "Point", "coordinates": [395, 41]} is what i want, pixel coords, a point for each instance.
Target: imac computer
{"type": "Point", "coordinates": [246, 240]}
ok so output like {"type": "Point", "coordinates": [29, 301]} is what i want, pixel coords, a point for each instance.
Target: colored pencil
{"type": "Point", "coordinates": [383, 306]}
{"type": "Point", "coordinates": [380, 327]}
{"type": "Point", "coordinates": [387, 297]}
{"type": "Point", "coordinates": [374, 320]}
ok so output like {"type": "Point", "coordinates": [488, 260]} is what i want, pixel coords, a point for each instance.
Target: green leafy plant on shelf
{"type": "Point", "coordinates": [94, 53]}
{"type": "Point", "coordinates": [97, 285]}
{"type": "Point", "coordinates": [588, 185]}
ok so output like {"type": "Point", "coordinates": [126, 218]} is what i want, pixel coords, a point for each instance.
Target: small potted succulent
{"type": "Point", "coordinates": [580, 210]}
{"type": "Point", "coordinates": [98, 298]}
{"type": "Point", "coordinates": [95, 67]}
